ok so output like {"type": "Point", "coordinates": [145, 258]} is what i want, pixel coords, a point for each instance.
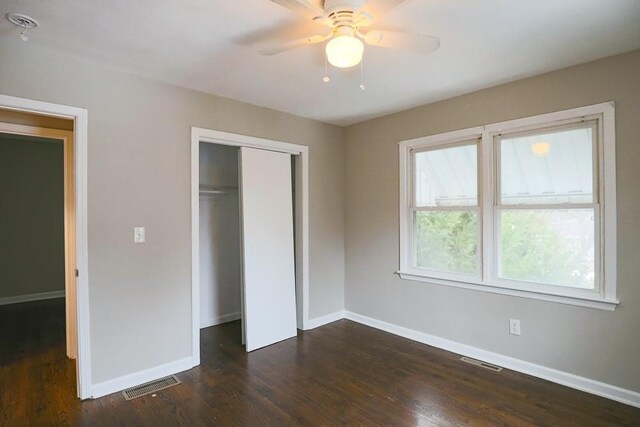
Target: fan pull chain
{"type": "Point", "coordinates": [326, 78]}
{"type": "Point", "coordinates": [362, 86]}
{"type": "Point", "coordinates": [23, 34]}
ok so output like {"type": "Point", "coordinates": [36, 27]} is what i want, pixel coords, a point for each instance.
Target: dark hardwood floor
{"type": "Point", "coordinates": [340, 374]}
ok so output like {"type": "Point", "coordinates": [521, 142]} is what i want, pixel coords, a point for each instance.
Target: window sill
{"type": "Point", "coordinates": [599, 303]}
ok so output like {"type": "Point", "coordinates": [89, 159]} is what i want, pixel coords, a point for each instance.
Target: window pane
{"type": "Point", "coordinates": [447, 177]}
{"type": "Point", "coordinates": [447, 241]}
{"type": "Point", "coordinates": [548, 168]}
{"type": "Point", "coordinates": [548, 246]}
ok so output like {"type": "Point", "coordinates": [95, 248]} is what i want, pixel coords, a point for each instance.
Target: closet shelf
{"type": "Point", "coordinates": [211, 189]}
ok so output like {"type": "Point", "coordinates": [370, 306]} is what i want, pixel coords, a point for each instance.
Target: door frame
{"type": "Point", "coordinates": [301, 219]}
{"type": "Point", "coordinates": [80, 119]}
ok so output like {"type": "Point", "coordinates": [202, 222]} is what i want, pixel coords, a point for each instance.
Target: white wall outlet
{"type": "Point", "coordinates": [514, 326]}
{"type": "Point", "coordinates": [138, 235]}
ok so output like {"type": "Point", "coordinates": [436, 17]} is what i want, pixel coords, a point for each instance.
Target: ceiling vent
{"type": "Point", "coordinates": [23, 21]}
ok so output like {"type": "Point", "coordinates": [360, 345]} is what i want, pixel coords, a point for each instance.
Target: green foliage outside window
{"type": "Point", "coordinates": [533, 247]}
{"type": "Point", "coordinates": [446, 241]}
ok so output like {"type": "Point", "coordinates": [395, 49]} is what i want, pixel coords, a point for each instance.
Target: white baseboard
{"type": "Point", "coordinates": [212, 321]}
{"type": "Point", "coordinates": [126, 381]}
{"type": "Point", "coordinates": [598, 388]}
{"type": "Point", "coordinates": [323, 320]}
{"type": "Point", "coordinates": [31, 297]}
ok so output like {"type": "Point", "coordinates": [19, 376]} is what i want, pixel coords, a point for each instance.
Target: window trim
{"type": "Point", "coordinates": [604, 204]}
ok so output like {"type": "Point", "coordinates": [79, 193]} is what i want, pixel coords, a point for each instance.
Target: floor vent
{"type": "Point", "coordinates": [150, 387]}
{"type": "Point", "coordinates": [482, 364]}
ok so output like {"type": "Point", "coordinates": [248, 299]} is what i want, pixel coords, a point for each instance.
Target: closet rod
{"type": "Point", "coordinates": [210, 189]}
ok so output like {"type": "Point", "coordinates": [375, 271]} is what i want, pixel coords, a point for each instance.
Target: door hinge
{"type": "Point", "coordinates": [77, 273]}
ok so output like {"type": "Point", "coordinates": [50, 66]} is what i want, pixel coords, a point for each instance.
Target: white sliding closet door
{"type": "Point", "coordinates": [266, 211]}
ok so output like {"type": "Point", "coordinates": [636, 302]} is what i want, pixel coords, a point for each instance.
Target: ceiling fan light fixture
{"type": "Point", "coordinates": [344, 51]}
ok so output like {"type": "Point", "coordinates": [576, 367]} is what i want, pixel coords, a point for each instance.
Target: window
{"type": "Point", "coordinates": [445, 209]}
{"type": "Point", "coordinates": [525, 207]}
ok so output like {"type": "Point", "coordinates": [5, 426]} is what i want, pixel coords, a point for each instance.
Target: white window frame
{"type": "Point", "coordinates": [604, 296]}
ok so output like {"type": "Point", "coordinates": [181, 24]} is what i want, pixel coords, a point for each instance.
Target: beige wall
{"type": "Point", "coordinates": [593, 343]}
{"type": "Point", "coordinates": [31, 215]}
{"type": "Point", "coordinates": [139, 174]}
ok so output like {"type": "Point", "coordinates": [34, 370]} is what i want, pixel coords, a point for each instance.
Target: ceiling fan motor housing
{"type": "Point", "coordinates": [332, 6]}
{"type": "Point", "coordinates": [345, 16]}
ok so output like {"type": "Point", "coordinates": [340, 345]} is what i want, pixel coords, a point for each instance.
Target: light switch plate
{"type": "Point", "coordinates": [514, 327]}
{"type": "Point", "coordinates": [138, 234]}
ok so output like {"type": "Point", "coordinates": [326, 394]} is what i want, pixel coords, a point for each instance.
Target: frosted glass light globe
{"type": "Point", "coordinates": [344, 51]}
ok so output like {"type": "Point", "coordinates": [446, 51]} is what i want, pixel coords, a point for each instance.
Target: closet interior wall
{"type": "Point", "coordinates": [220, 279]}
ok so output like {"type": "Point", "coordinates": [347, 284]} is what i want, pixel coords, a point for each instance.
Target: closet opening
{"type": "Point", "coordinates": [220, 276]}
{"type": "Point", "coordinates": [249, 239]}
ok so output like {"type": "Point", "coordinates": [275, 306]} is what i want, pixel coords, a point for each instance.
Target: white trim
{"type": "Point", "coordinates": [31, 297]}
{"type": "Point", "coordinates": [405, 186]}
{"type": "Point", "coordinates": [218, 320]}
{"type": "Point", "coordinates": [199, 135]}
{"type": "Point", "coordinates": [195, 246]}
{"type": "Point", "coordinates": [302, 236]}
{"type": "Point", "coordinates": [608, 201]}
{"type": "Point", "coordinates": [237, 140]}
{"type": "Point", "coordinates": [581, 301]}
{"type": "Point", "coordinates": [556, 116]}
{"type": "Point", "coordinates": [131, 380]}
{"type": "Point", "coordinates": [605, 294]}
{"type": "Point", "coordinates": [588, 385]}
{"type": "Point", "coordinates": [326, 319]}
{"type": "Point", "coordinates": [487, 187]}
{"type": "Point", "coordinates": [81, 121]}
{"type": "Point", "coordinates": [462, 135]}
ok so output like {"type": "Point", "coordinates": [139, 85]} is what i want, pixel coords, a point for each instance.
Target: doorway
{"type": "Point", "coordinates": [288, 164]}
{"type": "Point", "coordinates": [61, 131]}
{"type": "Point", "coordinates": [39, 216]}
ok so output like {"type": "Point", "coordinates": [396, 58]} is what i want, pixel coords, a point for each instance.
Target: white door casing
{"type": "Point", "coordinates": [80, 137]}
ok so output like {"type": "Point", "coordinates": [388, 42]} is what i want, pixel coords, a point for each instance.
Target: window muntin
{"type": "Point", "coordinates": [578, 214]}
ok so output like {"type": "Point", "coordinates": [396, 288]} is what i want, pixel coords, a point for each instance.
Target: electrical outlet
{"type": "Point", "coordinates": [514, 326]}
{"type": "Point", "coordinates": [138, 235]}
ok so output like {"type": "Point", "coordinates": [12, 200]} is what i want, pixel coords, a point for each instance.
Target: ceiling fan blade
{"type": "Point", "coordinates": [311, 8]}
{"type": "Point", "coordinates": [378, 8]}
{"type": "Point", "coordinates": [405, 41]}
{"type": "Point", "coordinates": [293, 44]}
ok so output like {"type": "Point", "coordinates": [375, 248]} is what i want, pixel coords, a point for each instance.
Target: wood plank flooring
{"type": "Point", "coordinates": [340, 374]}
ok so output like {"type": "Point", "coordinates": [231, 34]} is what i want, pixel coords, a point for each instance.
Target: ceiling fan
{"type": "Point", "coordinates": [346, 20]}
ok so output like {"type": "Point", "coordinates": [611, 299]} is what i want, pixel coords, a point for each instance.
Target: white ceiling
{"type": "Point", "coordinates": [211, 46]}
